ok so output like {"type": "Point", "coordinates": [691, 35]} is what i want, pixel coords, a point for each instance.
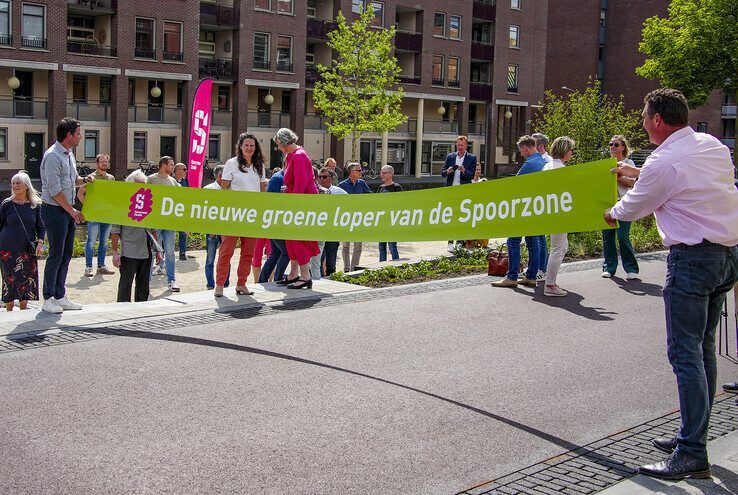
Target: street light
{"type": "Point", "coordinates": [14, 83]}
{"type": "Point", "coordinates": [269, 99]}
{"type": "Point", "coordinates": [155, 91]}
{"type": "Point", "coordinates": [441, 110]}
{"type": "Point", "coordinates": [508, 114]}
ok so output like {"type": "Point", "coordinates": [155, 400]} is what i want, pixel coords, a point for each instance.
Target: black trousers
{"type": "Point", "coordinates": [130, 269]}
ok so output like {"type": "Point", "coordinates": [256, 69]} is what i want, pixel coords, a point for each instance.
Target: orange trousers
{"type": "Point", "coordinates": [225, 253]}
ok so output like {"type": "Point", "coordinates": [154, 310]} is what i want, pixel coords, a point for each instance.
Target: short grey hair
{"type": "Point", "coordinates": [541, 139]}
{"type": "Point", "coordinates": [218, 170]}
{"type": "Point", "coordinates": [353, 166]}
{"type": "Point", "coordinates": [136, 176]}
{"type": "Point", "coordinates": [388, 167]}
{"type": "Point", "coordinates": [285, 136]}
{"type": "Point", "coordinates": [561, 145]}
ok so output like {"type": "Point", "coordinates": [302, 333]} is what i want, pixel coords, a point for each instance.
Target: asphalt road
{"type": "Point", "coordinates": [429, 393]}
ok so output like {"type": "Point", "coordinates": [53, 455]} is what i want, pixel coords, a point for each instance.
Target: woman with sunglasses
{"type": "Point", "coordinates": [620, 149]}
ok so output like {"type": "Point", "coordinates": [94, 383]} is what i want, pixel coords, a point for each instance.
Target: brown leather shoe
{"type": "Point", "coordinates": [528, 282]}
{"type": "Point", "coordinates": [103, 270]}
{"type": "Point", "coordinates": [505, 282]}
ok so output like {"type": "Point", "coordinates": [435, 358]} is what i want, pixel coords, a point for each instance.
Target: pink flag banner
{"type": "Point", "coordinates": [199, 131]}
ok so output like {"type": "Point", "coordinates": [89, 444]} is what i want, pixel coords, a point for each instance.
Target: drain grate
{"type": "Point", "coordinates": [603, 463]}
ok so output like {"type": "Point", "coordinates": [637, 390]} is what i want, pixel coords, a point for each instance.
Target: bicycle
{"type": "Point", "coordinates": [208, 170]}
{"type": "Point", "coordinates": [83, 170]}
{"type": "Point", "coordinates": [369, 173]}
{"type": "Point", "coordinates": [147, 167]}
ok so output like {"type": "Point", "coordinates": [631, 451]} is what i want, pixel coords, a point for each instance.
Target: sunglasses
{"type": "Point", "coordinates": [614, 145]}
{"type": "Point", "coordinates": [324, 177]}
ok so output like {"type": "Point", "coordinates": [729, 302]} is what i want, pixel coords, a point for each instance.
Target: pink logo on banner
{"type": "Point", "coordinates": [141, 203]}
{"type": "Point", "coordinates": [199, 131]}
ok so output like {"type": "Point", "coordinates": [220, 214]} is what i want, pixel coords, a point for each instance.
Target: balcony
{"type": "Point", "coordinates": [89, 111]}
{"type": "Point", "coordinates": [23, 108]}
{"type": "Point", "coordinates": [318, 29]}
{"type": "Point", "coordinates": [476, 129]}
{"type": "Point", "coordinates": [32, 42]}
{"type": "Point", "coordinates": [144, 53]}
{"type": "Point", "coordinates": [218, 17]}
{"type": "Point", "coordinates": [273, 120]}
{"type": "Point", "coordinates": [440, 126]}
{"type": "Point", "coordinates": [314, 121]}
{"type": "Point", "coordinates": [454, 84]}
{"type": "Point", "coordinates": [6, 39]}
{"type": "Point", "coordinates": [218, 68]}
{"type": "Point", "coordinates": [222, 118]}
{"type": "Point", "coordinates": [410, 42]}
{"type": "Point", "coordinates": [484, 9]}
{"type": "Point", "coordinates": [284, 65]}
{"type": "Point", "coordinates": [438, 82]}
{"type": "Point", "coordinates": [85, 48]}
{"type": "Point", "coordinates": [262, 64]}
{"type": "Point", "coordinates": [173, 56]}
{"type": "Point", "coordinates": [482, 51]}
{"type": "Point", "coordinates": [409, 79]}
{"type": "Point", "coordinates": [409, 127]}
{"type": "Point", "coordinates": [728, 111]}
{"type": "Point", "coordinates": [92, 7]}
{"type": "Point", "coordinates": [480, 91]}
{"type": "Point", "coordinates": [311, 76]}
{"type": "Point", "coordinates": [145, 114]}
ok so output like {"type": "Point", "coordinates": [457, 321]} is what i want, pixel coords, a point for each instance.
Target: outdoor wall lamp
{"type": "Point", "coordinates": [155, 91]}
{"type": "Point", "coordinates": [269, 99]}
{"type": "Point", "coordinates": [441, 110]}
{"type": "Point", "coordinates": [14, 83]}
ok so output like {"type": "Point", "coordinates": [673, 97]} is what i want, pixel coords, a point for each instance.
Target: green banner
{"type": "Point", "coordinates": [571, 199]}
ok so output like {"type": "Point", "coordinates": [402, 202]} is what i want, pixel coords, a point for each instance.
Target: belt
{"type": "Point", "coordinates": [704, 243]}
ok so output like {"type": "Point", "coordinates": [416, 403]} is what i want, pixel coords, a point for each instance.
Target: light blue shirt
{"type": "Point", "coordinates": [58, 174]}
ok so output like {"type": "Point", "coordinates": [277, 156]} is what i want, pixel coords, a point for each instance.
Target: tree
{"type": "Point", "coordinates": [591, 119]}
{"type": "Point", "coordinates": [695, 49]}
{"type": "Point", "coordinates": [356, 92]}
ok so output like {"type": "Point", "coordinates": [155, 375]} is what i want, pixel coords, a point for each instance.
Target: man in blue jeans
{"type": "Point", "coordinates": [97, 230]}
{"type": "Point", "coordinates": [212, 241]}
{"type": "Point", "coordinates": [687, 182]}
{"type": "Point", "coordinates": [166, 237]}
{"type": "Point", "coordinates": [534, 162]}
{"type": "Point", "coordinates": [279, 259]}
{"type": "Point", "coordinates": [58, 182]}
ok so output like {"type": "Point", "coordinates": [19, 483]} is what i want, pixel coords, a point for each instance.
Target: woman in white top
{"type": "Point", "coordinates": [561, 150]}
{"type": "Point", "coordinates": [244, 172]}
{"type": "Point", "coordinates": [620, 149]}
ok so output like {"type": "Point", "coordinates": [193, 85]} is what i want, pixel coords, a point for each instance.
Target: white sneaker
{"type": "Point", "coordinates": [88, 272]}
{"type": "Point", "coordinates": [68, 305]}
{"type": "Point", "coordinates": [450, 247]}
{"type": "Point", "coordinates": [554, 291]}
{"type": "Point", "coordinates": [606, 274]}
{"type": "Point", "coordinates": [50, 306]}
{"type": "Point", "coordinates": [173, 286]}
{"type": "Point", "coordinates": [540, 276]}
{"type": "Point", "coordinates": [631, 276]}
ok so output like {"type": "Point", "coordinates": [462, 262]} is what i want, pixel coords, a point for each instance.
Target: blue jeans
{"type": "Point", "coordinates": [513, 254]}
{"type": "Point", "coordinates": [330, 253]}
{"type": "Point", "coordinates": [276, 262]}
{"type": "Point", "coordinates": [542, 252]}
{"type": "Point", "coordinates": [60, 229]}
{"type": "Point", "coordinates": [627, 253]}
{"type": "Point", "coordinates": [166, 240]}
{"type": "Point", "coordinates": [211, 254]}
{"type": "Point", "coordinates": [392, 248]}
{"type": "Point", "coordinates": [95, 229]}
{"type": "Point", "coordinates": [697, 279]}
{"type": "Point", "coordinates": [182, 242]}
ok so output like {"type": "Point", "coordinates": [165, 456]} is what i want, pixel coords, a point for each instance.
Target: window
{"type": "Point", "coordinates": [262, 5]}
{"type": "Point", "coordinates": [284, 6]}
{"type": "Point", "coordinates": [453, 71]}
{"type": "Point", "coordinates": [284, 53]}
{"type": "Point", "coordinates": [357, 6]}
{"type": "Point", "coordinates": [378, 20]}
{"type": "Point", "coordinates": [5, 38]}
{"type": "Point", "coordinates": [224, 96]}
{"type": "Point", "coordinates": [454, 27]}
{"type": "Point", "coordinates": [261, 51]}
{"type": "Point", "coordinates": [3, 144]}
{"type": "Point", "coordinates": [207, 43]}
{"type": "Point", "coordinates": [286, 101]}
{"type": "Point", "coordinates": [481, 32]}
{"type": "Point", "coordinates": [173, 41]}
{"type": "Point", "coordinates": [145, 29]}
{"type": "Point", "coordinates": [131, 92]}
{"type": "Point", "coordinates": [180, 91]}
{"type": "Point", "coordinates": [438, 70]}
{"type": "Point", "coordinates": [34, 26]}
{"type": "Point", "coordinates": [512, 78]}
{"type": "Point", "coordinates": [514, 33]}
{"type": "Point", "coordinates": [105, 91]}
{"type": "Point", "coordinates": [139, 146]}
{"type": "Point", "coordinates": [515, 4]}
{"type": "Point", "coordinates": [311, 5]}
{"type": "Point", "coordinates": [79, 89]}
{"type": "Point", "coordinates": [214, 147]}
{"type": "Point", "coordinates": [480, 72]}
{"type": "Point", "coordinates": [701, 126]}
{"type": "Point", "coordinates": [439, 24]}
{"type": "Point", "coordinates": [91, 144]}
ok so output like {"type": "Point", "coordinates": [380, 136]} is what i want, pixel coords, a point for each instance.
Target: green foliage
{"type": "Point", "coordinates": [356, 92]}
{"type": "Point", "coordinates": [695, 49]}
{"type": "Point", "coordinates": [591, 119]}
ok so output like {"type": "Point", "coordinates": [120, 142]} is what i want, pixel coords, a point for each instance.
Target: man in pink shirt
{"type": "Point", "coordinates": [687, 182]}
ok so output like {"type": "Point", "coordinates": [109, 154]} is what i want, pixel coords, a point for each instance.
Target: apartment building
{"type": "Point", "coordinates": [129, 69]}
{"type": "Point", "coordinates": [599, 40]}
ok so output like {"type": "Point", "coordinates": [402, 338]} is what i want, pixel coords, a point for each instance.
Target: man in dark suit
{"type": "Point", "coordinates": [459, 169]}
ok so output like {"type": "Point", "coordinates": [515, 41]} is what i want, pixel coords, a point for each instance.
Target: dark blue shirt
{"type": "Point", "coordinates": [359, 188]}
{"type": "Point", "coordinates": [276, 182]}
{"type": "Point", "coordinates": [184, 182]}
{"type": "Point", "coordinates": [534, 163]}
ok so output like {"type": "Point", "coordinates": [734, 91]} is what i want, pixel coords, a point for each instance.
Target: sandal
{"type": "Point", "coordinates": [287, 281]}
{"type": "Point", "coordinates": [243, 290]}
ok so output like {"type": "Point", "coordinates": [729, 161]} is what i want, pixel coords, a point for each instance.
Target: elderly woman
{"type": "Point", "coordinates": [21, 242]}
{"type": "Point", "coordinates": [134, 257]}
{"type": "Point", "coordinates": [298, 177]}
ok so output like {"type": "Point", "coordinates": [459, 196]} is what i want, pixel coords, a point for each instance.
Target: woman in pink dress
{"type": "Point", "coordinates": [298, 178]}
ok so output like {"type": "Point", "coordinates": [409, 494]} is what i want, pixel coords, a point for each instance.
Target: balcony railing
{"type": "Point", "coordinates": [318, 29]}
{"type": "Point", "coordinates": [454, 84]}
{"type": "Point", "coordinates": [218, 68]}
{"type": "Point", "coordinates": [222, 118]}
{"type": "Point", "coordinates": [6, 39]}
{"type": "Point", "coordinates": [23, 108]}
{"type": "Point", "coordinates": [480, 91]}
{"type": "Point", "coordinates": [314, 121]}
{"type": "Point", "coordinates": [409, 79]}
{"type": "Point", "coordinates": [93, 6]}
{"type": "Point", "coordinates": [262, 64]}
{"type": "Point", "coordinates": [144, 53]}
{"type": "Point", "coordinates": [438, 82]}
{"type": "Point", "coordinates": [155, 114]}
{"type": "Point", "coordinates": [484, 9]}
{"type": "Point", "coordinates": [440, 126]}
{"type": "Point", "coordinates": [173, 56]}
{"type": "Point", "coordinates": [412, 42]}
{"type": "Point", "coordinates": [273, 120]}
{"type": "Point", "coordinates": [476, 129]}
{"type": "Point", "coordinates": [409, 127]}
{"type": "Point", "coordinates": [311, 76]}
{"type": "Point", "coordinates": [482, 51]}
{"type": "Point", "coordinates": [284, 66]}
{"type": "Point", "coordinates": [728, 111]}
{"type": "Point", "coordinates": [89, 111]}
{"type": "Point", "coordinates": [85, 48]}
{"type": "Point", "coordinates": [221, 16]}
{"type": "Point", "coordinates": [33, 42]}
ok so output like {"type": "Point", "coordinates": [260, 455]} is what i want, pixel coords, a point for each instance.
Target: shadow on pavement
{"type": "Point", "coordinates": [638, 288]}
{"type": "Point", "coordinates": [87, 282]}
{"type": "Point", "coordinates": [572, 302]}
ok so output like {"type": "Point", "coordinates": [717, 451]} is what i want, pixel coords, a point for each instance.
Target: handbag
{"type": "Point", "coordinates": [497, 263]}
{"type": "Point", "coordinates": [31, 246]}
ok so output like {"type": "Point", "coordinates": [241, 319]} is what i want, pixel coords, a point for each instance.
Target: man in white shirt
{"type": "Point", "coordinates": [687, 182]}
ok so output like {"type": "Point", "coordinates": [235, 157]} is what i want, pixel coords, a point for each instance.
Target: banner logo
{"type": "Point", "coordinates": [199, 131]}
{"type": "Point", "coordinates": [141, 204]}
